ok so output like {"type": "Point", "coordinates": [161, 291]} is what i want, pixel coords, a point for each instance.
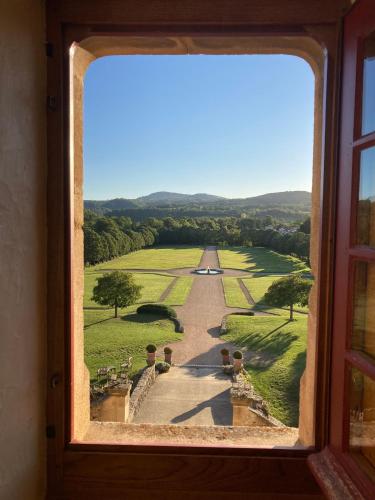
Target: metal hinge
{"type": "Point", "coordinates": [50, 431]}
{"type": "Point", "coordinates": [49, 49]}
{"type": "Point", "coordinates": [51, 102]}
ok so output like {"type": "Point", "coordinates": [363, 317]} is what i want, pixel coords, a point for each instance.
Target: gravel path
{"type": "Point", "coordinates": [201, 316]}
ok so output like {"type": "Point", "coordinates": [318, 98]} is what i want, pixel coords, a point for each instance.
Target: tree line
{"type": "Point", "coordinates": [107, 237]}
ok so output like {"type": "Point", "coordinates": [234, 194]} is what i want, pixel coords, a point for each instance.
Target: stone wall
{"type": "Point", "coordinates": [140, 392]}
{"type": "Point", "coordinates": [249, 409]}
{"type": "Point", "coordinates": [23, 233]}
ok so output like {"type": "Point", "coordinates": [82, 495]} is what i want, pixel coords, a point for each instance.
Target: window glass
{"type": "Point", "coordinates": [362, 420]}
{"type": "Point", "coordinates": [368, 96]}
{"type": "Point", "coordinates": [363, 338]}
{"type": "Point", "coordinates": [366, 198]}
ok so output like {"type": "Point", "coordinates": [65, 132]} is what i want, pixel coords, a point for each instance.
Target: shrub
{"type": "Point", "coordinates": [151, 348]}
{"type": "Point", "coordinates": [162, 367]}
{"type": "Point", "coordinates": [157, 309]}
{"type": "Point", "coordinates": [167, 350]}
{"type": "Point", "coordinates": [237, 355]}
{"type": "Point", "coordinates": [224, 352]}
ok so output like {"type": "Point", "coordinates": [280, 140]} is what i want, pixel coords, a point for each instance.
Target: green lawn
{"type": "Point", "coordinates": [278, 357]}
{"type": "Point", "coordinates": [112, 341]}
{"type": "Point", "coordinates": [234, 296]}
{"type": "Point", "coordinates": [156, 258]}
{"type": "Point", "coordinates": [180, 291]}
{"type": "Point", "coordinates": [259, 259]}
{"type": "Point", "coordinates": [153, 286]}
{"type": "Point", "coordinates": [258, 286]}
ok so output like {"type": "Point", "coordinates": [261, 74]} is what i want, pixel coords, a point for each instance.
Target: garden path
{"type": "Point", "coordinates": [195, 391]}
{"type": "Point", "coordinates": [201, 316]}
{"type": "Point", "coordinates": [188, 396]}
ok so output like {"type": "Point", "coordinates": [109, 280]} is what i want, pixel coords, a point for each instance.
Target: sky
{"type": "Point", "coordinates": [234, 126]}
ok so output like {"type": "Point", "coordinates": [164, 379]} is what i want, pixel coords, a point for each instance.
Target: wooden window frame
{"type": "Point", "coordinates": [101, 470]}
{"type": "Point", "coordinates": [336, 457]}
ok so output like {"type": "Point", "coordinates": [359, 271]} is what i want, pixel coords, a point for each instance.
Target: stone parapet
{"type": "Point", "coordinates": [115, 405]}
{"type": "Point", "coordinates": [140, 392]}
{"type": "Point", "coordinates": [249, 409]}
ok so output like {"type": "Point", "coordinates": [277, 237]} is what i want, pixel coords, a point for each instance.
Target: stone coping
{"type": "Point", "coordinates": [144, 434]}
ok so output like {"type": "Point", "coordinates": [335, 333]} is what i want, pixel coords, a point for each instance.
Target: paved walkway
{"type": "Point", "coordinates": [188, 396]}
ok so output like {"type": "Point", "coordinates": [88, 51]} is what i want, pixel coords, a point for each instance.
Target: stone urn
{"type": "Point", "coordinates": [151, 354]}
{"type": "Point", "coordinates": [237, 361]}
{"type": "Point", "coordinates": [168, 355]}
{"type": "Point", "coordinates": [225, 356]}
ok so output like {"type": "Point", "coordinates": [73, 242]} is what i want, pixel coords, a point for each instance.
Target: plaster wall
{"type": "Point", "coordinates": [22, 249]}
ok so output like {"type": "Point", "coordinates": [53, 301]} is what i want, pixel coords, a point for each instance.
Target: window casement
{"type": "Point", "coordinates": [77, 34]}
{"type": "Point", "coordinates": [352, 412]}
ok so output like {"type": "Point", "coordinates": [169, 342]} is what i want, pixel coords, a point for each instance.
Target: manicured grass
{"type": "Point", "coordinates": [277, 350]}
{"type": "Point", "coordinates": [153, 286]}
{"type": "Point", "coordinates": [112, 341]}
{"type": "Point", "coordinates": [258, 286]}
{"type": "Point", "coordinates": [259, 259]}
{"type": "Point", "coordinates": [156, 258]}
{"type": "Point", "coordinates": [180, 291]}
{"type": "Point", "coordinates": [234, 296]}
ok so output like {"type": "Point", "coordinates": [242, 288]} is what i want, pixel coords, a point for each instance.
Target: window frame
{"type": "Point", "coordinates": [71, 465]}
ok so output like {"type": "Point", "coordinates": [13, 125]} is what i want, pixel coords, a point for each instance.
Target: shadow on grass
{"type": "Point", "coordinates": [141, 318]}
{"type": "Point", "coordinates": [267, 260]}
{"type": "Point", "coordinates": [292, 388]}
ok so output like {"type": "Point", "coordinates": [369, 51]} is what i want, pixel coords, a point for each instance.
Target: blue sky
{"type": "Point", "coordinates": [234, 126]}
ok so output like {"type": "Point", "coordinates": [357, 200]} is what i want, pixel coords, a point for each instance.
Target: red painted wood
{"type": "Point", "coordinates": [358, 24]}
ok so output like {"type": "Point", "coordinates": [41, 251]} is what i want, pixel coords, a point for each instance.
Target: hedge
{"type": "Point", "coordinates": [157, 309]}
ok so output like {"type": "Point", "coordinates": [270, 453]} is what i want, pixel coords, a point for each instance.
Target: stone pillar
{"type": "Point", "coordinates": [115, 407]}
{"type": "Point", "coordinates": [240, 409]}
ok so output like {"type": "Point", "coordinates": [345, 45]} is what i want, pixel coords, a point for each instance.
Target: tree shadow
{"type": "Point", "coordinates": [141, 318]}
{"type": "Point", "coordinates": [292, 388]}
{"type": "Point", "coordinates": [266, 260]}
{"type": "Point", "coordinates": [221, 410]}
{"type": "Point", "coordinates": [87, 325]}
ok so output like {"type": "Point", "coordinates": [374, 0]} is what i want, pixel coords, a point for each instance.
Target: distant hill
{"type": "Point", "coordinates": [285, 205]}
{"type": "Point", "coordinates": [166, 197]}
{"type": "Point", "coordinates": [276, 199]}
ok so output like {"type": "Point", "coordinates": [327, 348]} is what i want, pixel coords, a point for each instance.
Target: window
{"type": "Point", "coordinates": [210, 468]}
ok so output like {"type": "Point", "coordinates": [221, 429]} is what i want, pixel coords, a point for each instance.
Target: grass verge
{"type": "Point", "coordinates": [112, 341]}
{"type": "Point", "coordinates": [277, 352]}
{"type": "Point", "coordinates": [156, 258]}
{"type": "Point", "coordinates": [259, 259]}
{"type": "Point", "coordinates": [179, 292]}
{"type": "Point", "coordinates": [234, 296]}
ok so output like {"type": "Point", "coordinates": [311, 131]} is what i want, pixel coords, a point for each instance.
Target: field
{"type": "Point", "coordinates": [258, 259]}
{"type": "Point", "coordinates": [277, 351]}
{"type": "Point", "coordinates": [156, 258]}
{"type": "Point", "coordinates": [234, 296]}
{"type": "Point", "coordinates": [179, 292]}
{"type": "Point", "coordinates": [258, 286]}
{"type": "Point", "coordinates": [111, 341]}
{"type": "Point", "coordinates": [153, 286]}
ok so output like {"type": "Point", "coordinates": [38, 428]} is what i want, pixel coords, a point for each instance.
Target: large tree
{"type": "Point", "coordinates": [116, 289]}
{"type": "Point", "coordinates": [288, 291]}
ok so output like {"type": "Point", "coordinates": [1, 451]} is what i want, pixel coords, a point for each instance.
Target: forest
{"type": "Point", "coordinates": [109, 236]}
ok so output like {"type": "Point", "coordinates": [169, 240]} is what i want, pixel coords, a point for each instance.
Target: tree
{"type": "Point", "coordinates": [288, 291]}
{"type": "Point", "coordinates": [116, 289]}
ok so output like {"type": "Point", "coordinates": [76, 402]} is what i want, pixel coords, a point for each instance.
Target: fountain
{"type": "Point", "coordinates": [208, 271]}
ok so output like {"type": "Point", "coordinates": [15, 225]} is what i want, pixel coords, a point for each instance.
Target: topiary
{"type": "Point", "coordinates": [237, 355]}
{"type": "Point", "coordinates": [162, 367]}
{"type": "Point", "coordinates": [151, 348]}
{"type": "Point", "coordinates": [157, 309]}
{"type": "Point", "coordinates": [167, 350]}
{"type": "Point", "coordinates": [224, 352]}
